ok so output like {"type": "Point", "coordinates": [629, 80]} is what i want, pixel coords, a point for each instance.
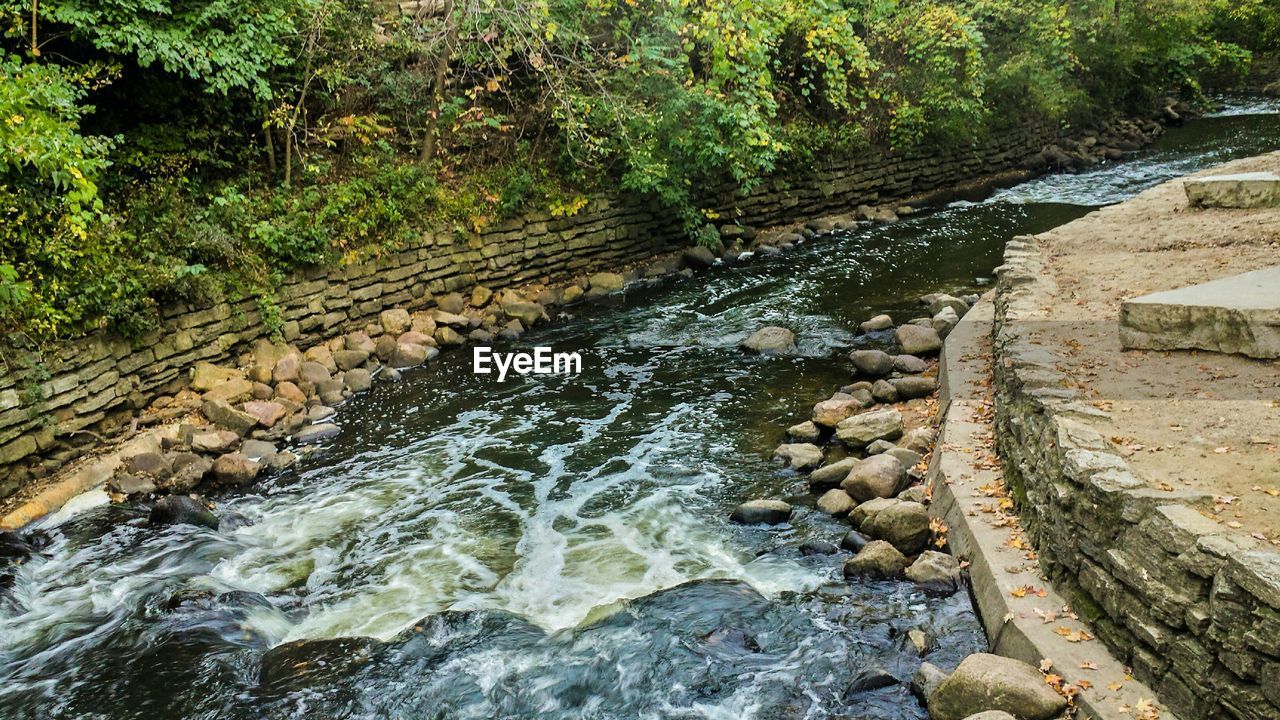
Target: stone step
{"type": "Point", "coordinates": [1242, 190]}
{"type": "Point", "coordinates": [1237, 314]}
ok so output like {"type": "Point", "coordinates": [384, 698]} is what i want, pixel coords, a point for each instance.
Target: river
{"type": "Point", "coordinates": [554, 547]}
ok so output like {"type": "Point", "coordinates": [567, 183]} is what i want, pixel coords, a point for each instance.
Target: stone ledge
{"type": "Point", "coordinates": [1241, 190]}
{"type": "Point", "coordinates": [1237, 314]}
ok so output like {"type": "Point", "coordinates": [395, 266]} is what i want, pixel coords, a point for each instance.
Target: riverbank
{"type": "Point", "coordinates": [60, 404]}
{"type": "Point", "coordinates": [1146, 479]}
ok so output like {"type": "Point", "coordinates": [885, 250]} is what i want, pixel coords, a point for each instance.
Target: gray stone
{"type": "Point", "coordinates": [349, 359]}
{"type": "Point", "coordinates": [877, 559]}
{"type": "Point", "coordinates": [806, 431]}
{"type": "Point", "coordinates": [771, 340]}
{"type": "Point", "coordinates": [830, 476]}
{"type": "Point", "coordinates": [214, 441]}
{"type": "Point", "coordinates": [879, 476]}
{"type": "Point", "coordinates": [991, 715]}
{"type": "Point", "coordinates": [833, 410]}
{"type": "Point", "coordinates": [320, 412]}
{"type": "Point", "coordinates": [869, 509]}
{"type": "Point", "coordinates": [1242, 190]}
{"type": "Point", "coordinates": [919, 440]}
{"type": "Point", "coordinates": [836, 502]}
{"type": "Point", "coordinates": [180, 510]}
{"type": "Point", "coordinates": [395, 321]}
{"type": "Point", "coordinates": [188, 470]}
{"type": "Point", "coordinates": [528, 313]}
{"type": "Point", "coordinates": [231, 391]}
{"type": "Point", "coordinates": [316, 433]}
{"type": "Point", "coordinates": [451, 303]}
{"type": "Point", "coordinates": [152, 464]}
{"type": "Point", "coordinates": [1238, 314]}
{"type": "Point", "coordinates": [879, 322]}
{"type": "Point", "coordinates": [879, 447]}
{"type": "Point", "coordinates": [607, 282]}
{"type": "Point", "coordinates": [766, 512]}
{"type": "Point", "coordinates": [872, 363]}
{"type": "Point", "coordinates": [228, 417]}
{"type": "Point", "coordinates": [259, 450]}
{"type": "Point", "coordinates": [909, 364]}
{"type": "Point", "coordinates": [854, 541]}
{"type": "Point", "coordinates": [314, 372]}
{"type": "Point", "coordinates": [918, 340]}
{"type": "Point", "coordinates": [859, 431]}
{"type": "Point", "coordinates": [915, 493]}
{"type": "Point", "coordinates": [133, 484]}
{"type": "Point", "coordinates": [938, 573]}
{"type": "Point", "coordinates": [927, 679]}
{"type": "Point", "coordinates": [943, 301]}
{"type": "Point", "coordinates": [918, 386]}
{"type": "Point", "coordinates": [945, 321]}
{"type": "Point", "coordinates": [905, 525]}
{"type": "Point", "coordinates": [410, 354]}
{"type": "Point", "coordinates": [235, 469]}
{"type": "Point", "coordinates": [884, 392]}
{"type": "Point", "coordinates": [800, 456]}
{"type": "Point", "coordinates": [480, 296]}
{"type": "Point", "coordinates": [698, 257]}
{"type": "Point", "coordinates": [907, 457]}
{"type": "Point", "coordinates": [985, 682]}
{"type": "Point", "coordinates": [445, 337]}
{"type": "Point", "coordinates": [358, 380]}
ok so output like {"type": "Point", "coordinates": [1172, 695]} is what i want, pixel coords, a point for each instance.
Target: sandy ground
{"type": "Point", "coordinates": [1185, 420]}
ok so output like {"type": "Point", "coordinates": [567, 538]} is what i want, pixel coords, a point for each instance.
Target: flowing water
{"type": "Point", "coordinates": [552, 547]}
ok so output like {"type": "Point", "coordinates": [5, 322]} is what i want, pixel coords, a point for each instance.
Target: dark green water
{"type": "Point", "coordinates": [551, 547]}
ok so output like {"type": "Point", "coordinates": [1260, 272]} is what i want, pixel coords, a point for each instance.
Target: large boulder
{"type": "Point", "coordinates": [528, 313]}
{"type": "Point", "coordinates": [904, 524]}
{"type": "Point", "coordinates": [771, 340]}
{"type": "Point", "coordinates": [836, 502]}
{"type": "Point", "coordinates": [879, 476]}
{"type": "Point", "coordinates": [235, 469]}
{"type": "Point", "coordinates": [181, 509]}
{"type": "Point", "coordinates": [800, 456]}
{"type": "Point", "coordinates": [830, 476]}
{"type": "Point", "coordinates": [806, 431]}
{"type": "Point", "coordinates": [207, 376]}
{"type": "Point", "coordinates": [943, 301]}
{"type": "Point", "coordinates": [831, 411]}
{"type": "Point", "coordinates": [316, 433]}
{"type": "Point", "coordinates": [909, 364]}
{"type": "Point", "coordinates": [918, 340]}
{"type": "Point", "coordinates": [938, 573]}
{"type": "Point", "coordinates": [766, 512]}
{"type": "Point", "coordinates": [395, 321]}
{"type": "Point", "coordinates": [872, 363]}
{"type": "Point", "coordinates": [228, 417]}
{"type": "Point", "coordinates": [916, 386]}
{"type": "Point", "coordinates": [267, 413]}
{"type": "Point", "coordinates": [698, 257]}
{"type": "Point", "coordinates": [451, 303]}
{"type": "Point", "coordinates": [879, 322]}
{"type": "Point", "coordinates": [985, 682]}
{"type": "Point", "coordinates": [214, 441]}
{"type": "Point", "coordinates": [859, 431]}
{"type": "Point", "coordinates": [926, 680]}
{"type": "Point", "coordinates": [877, 559]}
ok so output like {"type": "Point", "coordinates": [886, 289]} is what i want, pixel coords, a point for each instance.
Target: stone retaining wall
{"type": "Point", "coordinates": [1182, 599]}
{"type": "Point", "coordinates": [56, 406]}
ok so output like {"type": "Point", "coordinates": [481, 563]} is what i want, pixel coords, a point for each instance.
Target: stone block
{"type": "Point", "coordinates": [1237, 314]}
{"type": "Point", "coordinates": [1243, 190]}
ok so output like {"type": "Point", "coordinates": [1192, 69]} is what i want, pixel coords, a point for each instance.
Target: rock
{"type": "Point", "coordinates": [287, 369]}
{"type": "Point", "coordinates": [854, 541]}
{"type": "Point", "coordinates": [800, 456]}
{"type": "Point", "coordinates": [872, 679]}
{"type": "Point", "coordinates": [945, 321]}
{"type": "Point", "coordinates": [909, 364]}
{"type": "Point", "coordinates": [572, 294]}
{"type": "Point", "coordinates": [698, 257]}
{"type": "Point", "coordinates": [836, 502]}
{"type": "Point", "coordinates": [228, 417]}
{"type": "Point", "coordinates": [991, 715]}
{"type": "Point", "coordinates": [937, 573]}
{"type": "Point", "coordinates": [767, 512]}
{"type": "Point", "coordinates": [451, 303]}
{"type": "Point", "coordinates": [927, 679]}
{"type": "Point", "coordinates": [188, 470]}
{"type": "Point", "coordinates": [451, 319]}
{"type": "Point", "coordinates": [872, 363]}
{"type": "Point", "coordinates": [395, 321]}
{"type": "Point", "coordinates": [919, 440]}
{"type": "Point", "coordinates": [262, 391]}
{"type": "Point", "coordinates": [528, 313]}
{"type": "Point", "coordinates": [181, 510]}
{"type": "Point", "coordinates": [908, 388]}
{"type": "Point", "coordinates": [316, 433]}
{"type": "Point", "coordinates": [235, 469]}
{"type": "Point", "coordinates": [288, 391]}
{"type": "Point", "coordinates": [905, 525]}
{"type": "Point", "coordinates": [214, 441]}
{"type": "Point", "coordinates": [806, 431]}
{"type": "Point", "coordinates": [830, 476]}
{"type": "Point", "coordinates": [877, 323]}
{"type": "Point", "coordinates": [879, 447]}
{"type": "Point", "coordinates": [869, 509]}
{"type": "Point", "coordinates": [314, 372]}
{"type": "Point", "coordinates": [445, 337]}
{"type": "Point", "coordinates": [877, 559]}
{"type": "Point", "coordinates": [259, 450]}
{"type": "Point", "coordinates": [480, 296]}
{"type": "Point", "coordinates": [879, 476]}
{"type": "Point", "coordinates": [318, 413]}
{"type": "Point", "coordinates": [943, 301]}
{"type": "Point", "coordinates": [917, 340]}
{"type": "Point", "coordinates": [266, 354]}
{"type": "Point", "coordinates": [349, 359]}
{"type": "Point", "coordinates": [130, 484]}
{"type": "Point", "coordinates": [861, 430]}
{"type": "Point", "coordinates": [480, 335]}
{"type": "Point", "coordinates": [411, 354]}
{"type": "Point", "coordinates": [817, 547]}
{"type": "Point", "coordinates": [389, 375]}
{"type": "Point", "coordinates": [231, 391]}
{"type": "Point", "coordinates": [908, 458]}
{"type": "Point", "coordinates": [883, 391]}
{"type": "Point", "coordinates": [207, 376]}
{"type": "Point", "coordinates": [918, 639]}
{"type": "Point", "coordinates": [267, 413]}
{"type": "Point", "coordinates": [606, 282]}
{"type": "Point", "coordinates": [360, 341]}
{"type": "Point", "coordinates": [151, 464]}
{"type": "Point", "coordinates": [771, 340]}
{"type": "Point", "coordinates": [358, 380]}
{"type": "Point", "coordinates": [985, 682]}
{"type": "Point", "coordinates": [834, 410]}
{"type": "Point", "coordinates": [1242, 190]}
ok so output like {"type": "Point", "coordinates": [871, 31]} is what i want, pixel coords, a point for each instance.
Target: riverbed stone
{"type": "Point", "coordinates": [991, 715]}
{"type": "Point", "coordinates": [182, 510]}
{"type": "Point", "coordinates": [854, 541]}
{"type": "Point", "coordinates": [289, 391]}
{"type": "Point", "coordinates": [879, 447]}
{"type": "Point", "coordinates": [909, 364]}
{"type": "Point", "coordinates": [214, 441]}
{"type": "Point", "coordinates": [879, 476]}
{"type": "Point", "coordinates": [905, 525]}
{"type": "Point", "coordinates": [877, 559]}
{"type": "Point", "coordinates": [836, 502]}
{"type": "Point", "coordinates": [916, 386]}
{"type": "Point", "coordinates": [287, 369]}
{"type": "Point", "coordinates": [771, 340]}
{"type": "Point", "coordinates": [698, 256]}
{"type": "Point", "coordinates": [235, 469]}
{"type": "Point", "coordinates": [861, 430]}
{"type": "Point", "coordinates": [316, 433]}
{"type": "Point", "coordinates": [451, 303]}
{"type": "Point", "coordinates": [231, 391]}
{"type": "Point", "coordinates": [875, 324]}
{"type": "Point", "coordinates": [985, 682]}
{"type": "Point", "coordinates": [762, 512]}
{"type": "Point", "coordinates": [152, 464]}
{"type": "Point", "coordinates": [943, 301]}
{"type": "Point", "coordinates": [188, 470]}
{"type": "Point", "coordinates": [884, 392]}
{"type": "Point", "coordinates": [830, 412]}
{"type": "Point", "coordinates": [926, 680]}
{"type": "Point", "coordinates": [395, 321]}
{"type": "Point", "coordinates": [945, 321]}
{"type": "Point", "coordinates": [800, 456]}
{"type": "Point", "coordinates": [907, 457]}
{"type": "Point", "coordinates": [313, 372]}
{"type": "Point", "coordinates": [410, 354]}
{"type": "Point", "coordinates": [267, 413]}
{"type": "Point", "coordinates": [937, 573]}
{"type": "Point", "coordinates": [528, 313]}
{"type": "Point", "coordinates": [869, 509]}
{"type": "Point", "coordinates": [872, 363]}
{"type": "Point", "coordinates": [453, 320]}
{"type": "Point", "coordinates": [223, 414]}
{"type": "Point", "coordinates": [445, 337]}
{"type": "Point", "coordinates": [207, 376]}
{"type": "Point", "coordinates": [806, 431]}
{"type": "Point", "coordinates": [349, 359]}
{"type": "Point", "coordinates": [317, 413]}
{"type": "Point", "coordinates": [918, 340]}
{"type": "Point", "coordinates": [358, 380]}
{"type": "Point", "coordinates": [830, 476]}
{"type": "Point", "coordinates": [606, 282]}
{"type": "Point", "coordinates": [919, 439]}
